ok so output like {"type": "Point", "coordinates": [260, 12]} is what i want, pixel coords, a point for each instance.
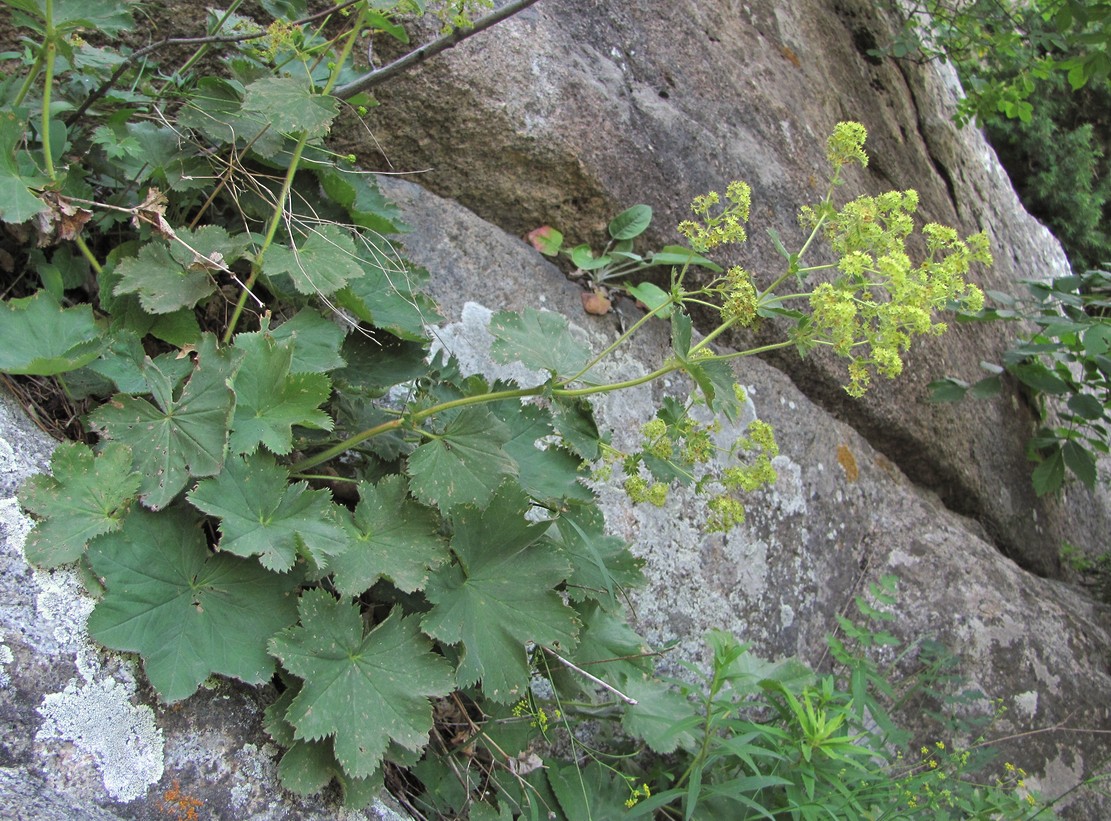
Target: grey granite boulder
{"type": "Point", "coordinates": [571, 111]}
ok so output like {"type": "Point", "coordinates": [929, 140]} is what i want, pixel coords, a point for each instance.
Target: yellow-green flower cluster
{"type": "Point", "coordinates": [639, 490]}
{"type": "Point", "coordinates": [637, 794]}
{"type": "Point", "coordinates": [881, 300]}
{"type": "Point", "coordinates": [846, 145]}
{"type": "Point", "coordinates": [710, 230]}
{"type": "Point", "coordinates": [739, 304]}
{"type": "Point", "coordinates": [725, 510]}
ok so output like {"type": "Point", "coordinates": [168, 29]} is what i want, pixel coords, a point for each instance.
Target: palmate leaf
{"type": "Point", "coordinates": [169, 278]}
{"type": "Point", "coordinates": [291, 106]}
{"type": "Point", "coordinates": [388, 295]}
{"type": "Point", "coordinates": [500, 595]}
{"type": "Point", "coordinates": [307, 767]}
{"type": "Point", "coordinates": [464, 464]}
{"type": "Point", "coordinates": [269, 400]}
{"type": "Point", "coordinates": [262, 515]}
{"type": "Point", "coordinates": [322, 264]}
{"type": "Point", "coordinates": [189, 613]}
{"type": "Point", "coordinates": [546, 474]}
{"type": "Point", "coordinates": [85, 497]}
{"type": "Point", "coordinates": [602, 566]}
{"type": "Point", "coordinates": [316, 342]}
{"type": "Point", "coordinates": [42, 338]}
{"type": "Point", "coordinates": [361, 689]}
{"type": "Point", "coordinates": [540, 340]}
{"type": "Point", "coordinates": [179, 436]}
{"type": "Point", "coordinates": [394, 537]}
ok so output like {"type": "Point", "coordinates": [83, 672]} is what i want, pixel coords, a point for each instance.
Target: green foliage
{"type": "Point", "coordinates": [1037, 77]}
{"type": "Point", "coordinates": [1064, 368]}
{"type": "Point", "coordinates": [220, 289]}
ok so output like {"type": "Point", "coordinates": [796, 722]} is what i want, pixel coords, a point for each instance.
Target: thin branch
{"type": "Point", "coordinates": [421, 54]}
{"type": "Point", "coordinates": [582, 672]}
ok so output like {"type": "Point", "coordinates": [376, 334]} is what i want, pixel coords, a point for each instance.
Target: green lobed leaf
{"type": "Point", "coordinates": [601, 565]}
{"type": "Point", "coordinates": [170, 277]}
{"type": "Point", "coordinates": [394, 537]}
{"type": "Point", "coordinates": [86, 496]}
{"type": "Point", "coordinates": [573, 419]}
{"type": "Point", "coordinates": [358, 193]}
{"type": "Point", "coordinates": [541, 340]}
{"type": "Point", "coordinates": [362, 689]}
{"type": "Point", "coordinates": [42, 338]}
{"type": "Point", "coordinates": [307, 767]}
{"type": "Point", "coordinates": [608, 649]}
{"type": "Point", "coordinates": [322, 264]}
{"type": "Point", "coordinates": [316, 342]}
{"type": "Point", "coordinates": [547, 473]}
{"type": "Point", "coordinates": [17, 202]}
{"type": "Point", "coordinates": [262, 514]}
{"type": "Point", "coordinates": [269, 400]}
{"type": "Point", "coordinates": [661, 717]}
{"type": "Point", "coordinates": [189, 613]}
{"type": "Point", "coordinates": [588, 791]}
{"type": "Point", "coordinates": [183, 434]}
{"type": "Point", "coordinates": [464, 464]}
{"type": "Point", "coordinates": [216, 110]}
{"type": "Point", "coordinates": [387, 296]}
{"type": "Point", "coordinates": [715, 378]}
{"type": "Point", "coordinates": [291, 106]}
{"type": "Point", "coordinates": [500, 595]}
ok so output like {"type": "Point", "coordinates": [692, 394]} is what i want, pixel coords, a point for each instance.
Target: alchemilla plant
{"type": "Point", "coordinates": [277, 483]}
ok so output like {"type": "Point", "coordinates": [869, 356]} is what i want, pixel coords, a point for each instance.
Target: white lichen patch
{"type": "Point", "coordinates": [6, 658]}
{"type": "Point", "coordinates": [94, 712]}
{"type": "Point", "coordinates": [1027, 703]}
{"type": "Point", "coordinates": [98, 718]}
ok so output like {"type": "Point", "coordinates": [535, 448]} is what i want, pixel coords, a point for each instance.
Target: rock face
{"type": "Point", "coordinates": [841, 516]}
{"type": "Point", "coordinates": [563, 116]}
{"type": "Point", "coordinates": [572, 111]}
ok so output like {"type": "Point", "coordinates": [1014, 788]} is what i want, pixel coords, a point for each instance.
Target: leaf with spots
{"type": "Point", "coordinates": [262, 514]}
{"type": "Point", "coordinates": [394, 537]}
{"type": "Point", "coordinates": [181, 434]}
{"type": "Point", "coordinates": [187, 612]}
{"type": "Point", "coordinates": [269, 400]}
{"type": "Point", "coordinates": [464, 464]}
{"type": "Point", "coordinates": [500, 595]}
{"type": "Point", "coordinates": [86, 497]}
{"type": "Point", "coordinates": [361, 689]}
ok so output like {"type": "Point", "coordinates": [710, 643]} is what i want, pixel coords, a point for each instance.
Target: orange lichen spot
{"type": "Point", "coordinates": [179, 805]}
{"type": "Point", "coordinates": [792, 58]}
{"type": "Point", "coordinates": [847, 461]}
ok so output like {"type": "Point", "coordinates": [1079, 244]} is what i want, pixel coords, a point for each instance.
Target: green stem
{"type": "Point", "coordinates": [32, 75]}
{"type": "Point", "coordinates": [87, 253]}
{"type": "Point", "coordinates": [49, 55]}
{"type": "Point", "coordinates": [620, 341]}
{"type": "Point", "coordinates": [276, 219]}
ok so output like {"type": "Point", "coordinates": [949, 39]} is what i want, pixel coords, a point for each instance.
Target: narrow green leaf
{"type": "Point", "coordinates": [652, 297]}
{"type": "Point", "coordinates": [42, 338]}
{"type": "Point", "coordinates": [86, 496]}
{"type": "Point", "coordinates": [630, 223]}
{"type": "Point", "coordinates": [262, 514]}
{"type": "Point", "coordinates": [678, 255]}
{"type": "Point", "coordinates": [1040, 378]}
{"type": "Point", "coordinates": [681, 334]}
{"type": "Point", "coordinates": [541, 340]}
{"type": "Point", "coordinates": [189, 613]}
{"type": "Point", "coordinates": [362, 689]}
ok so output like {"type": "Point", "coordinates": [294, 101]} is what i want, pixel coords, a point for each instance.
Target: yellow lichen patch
{"type": "Point", "coordinates": [847, 461]}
